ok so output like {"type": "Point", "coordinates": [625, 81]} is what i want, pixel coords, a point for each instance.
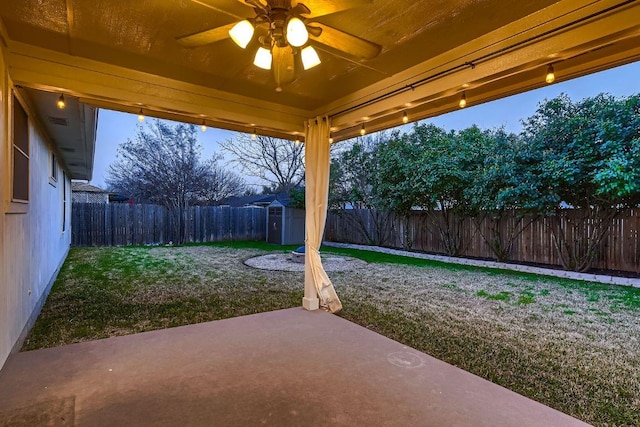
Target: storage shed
{"type": "Point", "coordinates": [285, 225]}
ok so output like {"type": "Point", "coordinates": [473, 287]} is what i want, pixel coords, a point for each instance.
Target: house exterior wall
{"type": "Point", "coordinates": [33, 244]}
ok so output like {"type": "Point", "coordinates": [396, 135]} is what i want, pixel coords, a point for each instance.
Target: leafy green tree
{"type": "Point", "coordinates": [338, 193]}
{"type": "Point", "coordinates": [398, 192]}
{"type": "Point", "coordinates": [504, 191]}
{"type": "Point", "coordinates": [296, 198]}
{"type": "Point", "coordinates": [443, 173]}
{"type": "Point", "coordinates": [429, 168]}
{"type": "Point", "coordinates": [588, 161]}
{"type": "Point", "coordinates": [354, 181]}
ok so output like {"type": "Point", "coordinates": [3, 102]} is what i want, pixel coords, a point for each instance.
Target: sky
{"type": "Point", "coordinates": [115, 128]}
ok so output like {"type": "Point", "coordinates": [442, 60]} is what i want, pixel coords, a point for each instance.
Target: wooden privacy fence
{"type": "Point", "coordinates": [96, 224]}
{"type": "Point", "coordinates": [619, 250]}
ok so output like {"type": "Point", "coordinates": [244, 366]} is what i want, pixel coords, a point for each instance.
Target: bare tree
{"type": "Point", "coordinates": [221, 184]}
{"type": "Point", "coordinates": [279, 162]}
{"type": "Point", "coordinates": [162, 165]}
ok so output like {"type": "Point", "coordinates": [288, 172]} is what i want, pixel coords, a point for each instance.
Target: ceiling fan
{"type": "Point", "coordinates": [284, 30]}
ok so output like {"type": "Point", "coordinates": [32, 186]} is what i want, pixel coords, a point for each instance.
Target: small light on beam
{"type": "Point", "coordinates": [463, 100]}
{"type": "Point", "coordinates": [61, 104]}
{"type": "Point", "coordinates": [551, 77]}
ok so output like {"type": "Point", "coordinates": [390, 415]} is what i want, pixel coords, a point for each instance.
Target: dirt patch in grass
{"type": "Point", "coordinates": [571, 345]}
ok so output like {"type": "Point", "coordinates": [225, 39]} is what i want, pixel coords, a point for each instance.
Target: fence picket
{"type": "Point", "coordinates": [98, 224]}
{"type": "Point", "coordinates": [620, 250]}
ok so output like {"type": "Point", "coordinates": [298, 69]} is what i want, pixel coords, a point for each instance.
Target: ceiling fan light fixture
{"type": "Point", "coordinates": [263, 59]}
{"type": "Point", "coordinates": [297, 34]}
{"type": "Point", "coordinates": [242, 33]}
{"type": "Point", "coordinates": [310, 57]}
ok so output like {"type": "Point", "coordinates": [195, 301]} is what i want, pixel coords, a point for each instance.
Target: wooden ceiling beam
{"type": "Point", "coordinates": [128, 90]}
{"type": "Point", "coordinates": [605, 39]}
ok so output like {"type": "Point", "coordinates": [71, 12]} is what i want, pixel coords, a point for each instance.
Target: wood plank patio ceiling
{"type": "Point", "coordinates": [124, 55]}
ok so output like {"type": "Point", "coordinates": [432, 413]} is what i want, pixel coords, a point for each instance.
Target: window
{"type": "Point", "coordinates": [20, 153]}
{"type": "Point", "coordinates": [64, 201]}
{"type": "Point", "coordinates": [53, 168]}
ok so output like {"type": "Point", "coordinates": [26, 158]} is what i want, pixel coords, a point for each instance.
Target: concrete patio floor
{"type": "Point", "coordinates": [283, 368]}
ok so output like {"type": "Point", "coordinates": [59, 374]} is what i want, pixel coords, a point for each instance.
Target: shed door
{"type": "Point", "coordinates": [275, 225]}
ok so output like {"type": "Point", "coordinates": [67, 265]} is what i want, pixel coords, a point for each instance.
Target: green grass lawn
{"type": "Point", "coordinates": [571, 345]}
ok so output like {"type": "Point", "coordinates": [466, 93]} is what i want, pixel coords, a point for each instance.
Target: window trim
{"type": "Point", "coordinates": [53, 169]}
{"type": "Point", "coordinates": [17, 206]}
{"type": "Point", "coordinates": [64, 201]}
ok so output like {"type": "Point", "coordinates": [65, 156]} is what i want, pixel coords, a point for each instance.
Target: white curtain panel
{"type": "Point", "coordinates": [317, 151]}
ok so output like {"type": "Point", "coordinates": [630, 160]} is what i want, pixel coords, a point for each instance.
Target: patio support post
{"type": "Point", "coordinates": [318, 289]}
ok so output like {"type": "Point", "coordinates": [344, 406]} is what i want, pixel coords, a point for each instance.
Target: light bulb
{"type": "Point", "coordinates": [203, 126]}
{"type": "Point", "coordinates": [141, 116]}
{"type": "Point", "coordinates": [309, 57]}
{"type": "Point", "coordinates": [297, 34]}
{"type": "Point", "coordinates": [330, 139]}
{"type": "Point", "coordinates": [550, 74]}
{"type": "Point", "coordinates": [241, 33]}
{"type": "Point", "coordinates": [61, 104]}
{"type": "Point", "coordinates": [263, 59]}
{"type": "Point", "coordinates": [463, 100]}
{"type": "Point", "coordinates": [253, 135]}
{"type": "Point", "coordinates": [362, 130]}
{"type": "Point", "coordinates": [297, 142]}
{"type": "Point", "coordinates": [405, 118]}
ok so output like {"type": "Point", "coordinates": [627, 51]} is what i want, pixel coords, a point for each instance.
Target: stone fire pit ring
{"type": "Point", "coordinates": [285, 262]}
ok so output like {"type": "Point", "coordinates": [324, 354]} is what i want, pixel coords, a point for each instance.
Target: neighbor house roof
{"type": "Point", "coordinates": [87, 188]}
{"type": "Point", "coordinates": [256, 200]}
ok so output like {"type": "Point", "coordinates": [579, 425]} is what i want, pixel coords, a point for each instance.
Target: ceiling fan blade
{"type": "Point", "coordinates": [300, 9]}
{"type": "Point", "coordinates": [344, 42]}
{"type": "Point", "coordinates": [256, 4]}
{"type": "Point", "coordinates": [206, 37]}
{"type": "Point", "coordinates": [237, 10]}
{"type": "Point", "coordinates": [326, 7]}
{"type": "Point", "coordinates": [283, 65]}
{"type": "Point", "coordinates": [314, 31]}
